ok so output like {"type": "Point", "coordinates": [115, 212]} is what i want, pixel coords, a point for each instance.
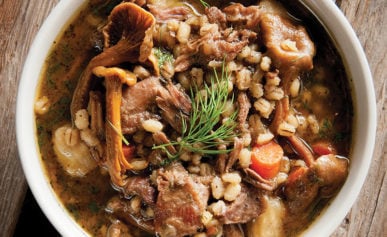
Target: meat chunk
{"type": "Point", "coordinates": [234, 154]}
{"type": "Point", "coordinates": [163, 14]}
{"type": "Point", "coordinates": [142, 187]}
{"type": "Point", "coordinates": [248, 17]}
{"type": "Point", "coordinates": [215, 15]}
{"type": "Point", "coordinates": [244, 107]}
{"type": "Point", "coordinates": [175, 106]}
{"type": "Point", "coordinates": [225, 47]}
{"type": "Point", "coordinates": [180, 203]}
{"type": "Point", "coordinates": [161, 138]}
{"type": "Point", "coordinates": [246, 207]}
{"type": "Point", "coordinates": [122, 210]}
{"type": "Point", "coordinates": [136, 103]}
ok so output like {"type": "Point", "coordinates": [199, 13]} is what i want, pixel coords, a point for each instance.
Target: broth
{"type": "Point", "coordinates": [324, 100]}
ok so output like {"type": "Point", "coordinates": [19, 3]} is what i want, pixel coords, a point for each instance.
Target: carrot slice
{"type": "Point", "coordinates": [128, 151]}
{"type": "Point", "coordinates": [323, 148]}
{"type": "Point", "coordinates": [297, 174]}
{"type": "Point", "coordinates": [266, 159]}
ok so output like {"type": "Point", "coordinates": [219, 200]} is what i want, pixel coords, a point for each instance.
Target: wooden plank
{"type": "Point", "coordinates": [20, 20]}
{"type": "Point", "coordinates": [367, 216]}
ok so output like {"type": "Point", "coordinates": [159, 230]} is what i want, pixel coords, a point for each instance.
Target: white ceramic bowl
{"type": "Point", "coordinates": [364, 129]}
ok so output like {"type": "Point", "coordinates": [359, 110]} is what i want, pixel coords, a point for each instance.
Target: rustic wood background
{"type": "Point", "coordinates": [19, 23]}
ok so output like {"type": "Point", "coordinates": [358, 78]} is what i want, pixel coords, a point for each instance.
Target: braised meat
{"type": "Point", "coordinates": [246, 207]}
{"type": "Point", "coordinates": [180, 203]}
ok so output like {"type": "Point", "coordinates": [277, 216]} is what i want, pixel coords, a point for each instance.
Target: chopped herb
{"type": "Point", "coordinates": [93, 207]}
{"type": "Point", "coordinates": [53, 68]}
{"type": "Point", "coordinates": [163, 56]}
{"type": "Point", "coordinates": [340, 136]}
{"type": "Point", "coordinates": [59, 111]}
{"type": "Point", "coordinates": [43, 137]}
{"type": "Point", "coordinates": [325, 129]}
{"type": "Point", "coordinates": [74, 210]}
{"type": "Point", "coordinates": [67, 56]}
{"type": "Point", "coordinates": [70, 86]}
{"type": "Point", "coordinates": [94, 190]}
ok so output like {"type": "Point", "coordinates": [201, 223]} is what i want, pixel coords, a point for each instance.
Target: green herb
{"type": "Point", "coordinates": [58, 112]}
{"type": "Point", "coordinates": [51, 70]}
{"type": "Point", "coordinates": [93, 207]}
{"type": "Point", "coordinates": [67, 56]}
{"type": "Point", "coordinates": [70, 86]}
{"type": "Point", "coordinates": [94, 190]}
{"type": "Point", "coordinates": [120, 134]}
{"type": "Point", "coordinates": [325, 129]}
{"type": "Point", "coordinates": [73, 209]}
{"type": "Point", "coordinates": [204, 3]}
{"type": "Point", "coordinates": [163, 56]}
{"type": "Point", "coordinates": [204, 134]}
{"type": "Point", "coordinates": [340, 136]}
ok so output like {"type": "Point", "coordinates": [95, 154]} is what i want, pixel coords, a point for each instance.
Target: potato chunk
{"type": "Point", "coordinates": [72, 153]}
{"type": "Point", "coordinates": [269, 223]}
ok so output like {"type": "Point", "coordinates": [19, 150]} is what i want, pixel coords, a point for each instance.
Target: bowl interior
{"type": "Point", "coordinates": [363, 100]}
{"type": "Point", "coordinates": [25, 119]}
{"type": "Point", "coordinates": [364, 129]}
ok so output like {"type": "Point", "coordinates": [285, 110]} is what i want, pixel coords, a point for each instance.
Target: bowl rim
{"type": "Point", "coordinates": [28, 149]}
{"type": "Point", "coordinates": [328, 14]}
{"type": "Point", "coordinates": [364, 127]}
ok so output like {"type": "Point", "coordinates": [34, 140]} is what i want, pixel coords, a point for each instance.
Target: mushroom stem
{"type": "Point", "coordinates": [302, 149]}
{"type": "Point", "coordinates": [281, 113]}
{"type": "Point", "coordinates": [96, 114]}
{"type": "Point", "coordinates": [116, 161]}
{"type": "Point", "coordinates": [119, 53]}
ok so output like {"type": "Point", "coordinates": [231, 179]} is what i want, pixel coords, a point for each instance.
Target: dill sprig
{"type": "Point", "coordinates": [204, 3]}
{"type": "Point", "coordinates": [204, 132]}
{"type": "Point", "coordinates": [120, 134]}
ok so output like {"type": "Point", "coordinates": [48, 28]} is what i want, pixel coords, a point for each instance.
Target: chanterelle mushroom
{"type": "Point", "coordinates": [125, 32]}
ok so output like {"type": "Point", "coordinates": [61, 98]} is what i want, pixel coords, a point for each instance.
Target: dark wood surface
{"type": "Point", "coordinates": [19, 23]}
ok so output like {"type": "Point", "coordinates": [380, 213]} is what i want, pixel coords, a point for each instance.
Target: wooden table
{"type": "Point", "coordinates": [19, 23]}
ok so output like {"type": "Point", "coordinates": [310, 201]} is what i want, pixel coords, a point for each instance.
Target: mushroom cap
{"type": "Point", "coordinates": [278, 30]}
{"type": "Point", "coordinates": [126, 39]}
{"type": "Point", "coordinates": [128, 22]}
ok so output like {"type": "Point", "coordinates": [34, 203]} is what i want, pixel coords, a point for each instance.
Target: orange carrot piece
{"type": "Point", "coordinates": [128, 151]}
{"type": "Point", "coordinates": [323, 148]}
{"type": "Point", "coordinates": [266, 159]}
{"type": "Point", "coordinates": [297, 174]}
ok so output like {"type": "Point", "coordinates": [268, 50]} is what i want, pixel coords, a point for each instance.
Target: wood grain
{"type": "Point", "coordinates": [20, 21]}
{"type": "Point", "coordinates": [367, 216]}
